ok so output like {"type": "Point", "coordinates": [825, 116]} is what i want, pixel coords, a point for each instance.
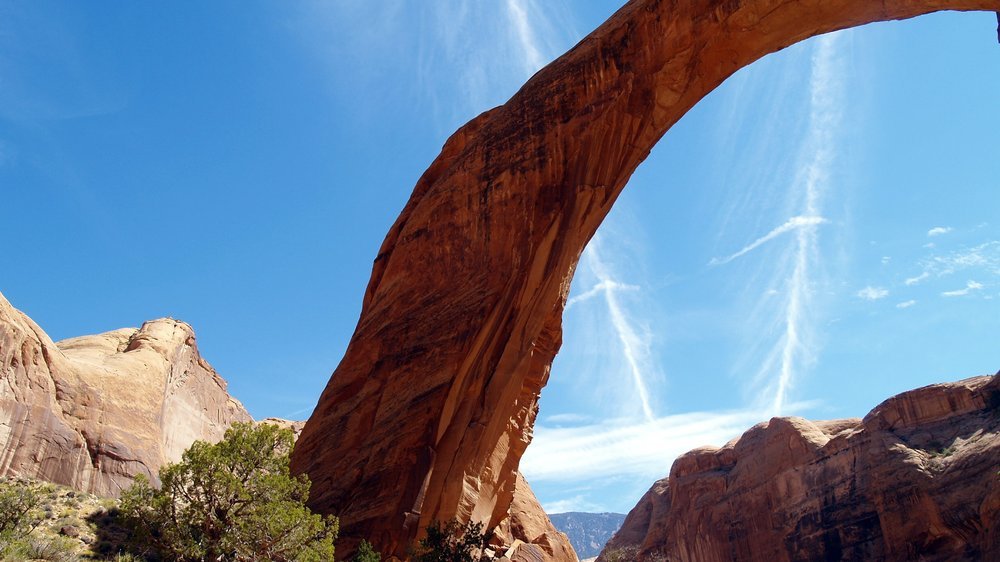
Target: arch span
{"type": "Point", "coordinates": [432, 406]}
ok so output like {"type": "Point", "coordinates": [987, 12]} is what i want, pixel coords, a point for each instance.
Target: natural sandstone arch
{"type": "Point", "coordinates": [432, 406]}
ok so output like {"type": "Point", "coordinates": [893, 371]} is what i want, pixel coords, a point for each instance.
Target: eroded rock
{"type": "Point", "coordinates": [917, 479]}
{"type": "Point", "coordinates": [92, 412]}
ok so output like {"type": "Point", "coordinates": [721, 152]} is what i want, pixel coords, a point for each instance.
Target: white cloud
{"type": "Point", "coordinates": [969, 287]}
{"type": "Point", "coordinates": [886, 260]}
{"type": "Point", "coordinates": [599, 289]}
{"type": "Point", "coordinates": [635, 345]}
{"type": "Point", "coordinates": [826, 90]}
{"type": "Point", "coordinates": [939, 230]}
{"type": "Point", "coordinates": [531, 53]}
{"type": "Point", "coordinates": [575, 503]}
{"type": "Point", "coordinates": [789, 225]}
{"type": "Point", "coordinates": [644, 450]}
{"type": "Point", "coordinates": [983, 259]}
{"type": "Point", "coordinates": [870, 293]}
{"type": "Point", "coordinates": [560, 419]}
{"type": "Point", "coordinates": [906, 304]}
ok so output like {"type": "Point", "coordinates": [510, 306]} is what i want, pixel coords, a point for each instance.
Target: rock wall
{"type": "Point", "coordinates": [94, 411]}
{"type": "Point", "coordinates": [432, 406]}
{"type": "Point", "coordinates": [917, 479]}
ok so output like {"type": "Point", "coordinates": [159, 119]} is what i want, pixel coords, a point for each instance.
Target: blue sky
{"type": "Point", "coordinates": [818, 234]}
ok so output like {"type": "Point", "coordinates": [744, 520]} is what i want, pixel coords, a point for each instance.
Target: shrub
{"type": "Point", "coordinates": [234, 500]}
{"type": "Point", "coordinates": [53, 549]}
{"type": "Point", "coordinates": [18, 517]}
{"type": "Point", "coordinates": [366, 553]}
{"type": "Point", "coordinates": [454, 542]}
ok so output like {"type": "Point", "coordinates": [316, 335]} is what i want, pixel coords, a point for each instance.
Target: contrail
{"type": "Point", "coordinates": [825, 102]}
{"type": "Point", "coordinates": [630, 340]}
{"type": "Point", "coordinates": [526, 36]}
{"type": "Point", "coordinates": [791, 224]}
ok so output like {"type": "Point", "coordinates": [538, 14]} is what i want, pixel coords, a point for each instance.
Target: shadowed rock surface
{"type": "Point", "coordinates": [92, 412]}
{"type": "Point", "coordinates": [917, 479]}
{"type": "Point", "coordinates": [429, 412]}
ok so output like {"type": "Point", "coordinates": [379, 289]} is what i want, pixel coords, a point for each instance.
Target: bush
{"type": "Point", "coordinates": [233, 501]}
{"type": "Point", "coordinates": [53, 549]}
{"type": "Point", "coordinates": [366, 553]}
{"type": "Point", "coordinates": [454, 542]}
{"type": "Point", "coordinates": [18, 517]}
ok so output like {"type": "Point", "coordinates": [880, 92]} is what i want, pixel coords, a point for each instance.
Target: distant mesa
{"type": "Point", "coordinates": [917, 479]}
{"type": "Point", "coordinates": [587, 532]}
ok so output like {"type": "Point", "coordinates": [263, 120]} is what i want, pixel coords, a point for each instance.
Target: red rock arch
{"type": "Point", "coordinates": [432, 406]}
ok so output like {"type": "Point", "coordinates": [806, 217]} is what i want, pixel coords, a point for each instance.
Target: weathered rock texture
{"type": "Point", "coordinates": [432, 406]}
{"type": "Point", "coordinates": [528, 531]}
{"type": "Point", "coordinates": [917, 479]}
{"type": "Point", "coordinates": [94, 411]}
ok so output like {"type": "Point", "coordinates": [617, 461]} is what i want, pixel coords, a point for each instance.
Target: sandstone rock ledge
{"type": "Point", "coordinates": [917, 479]}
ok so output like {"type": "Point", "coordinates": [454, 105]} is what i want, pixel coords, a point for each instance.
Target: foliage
{"type": "Point", "coordinates": [454, 542]}
{"type": "Point", "coordinates": [234, 500]}
{"type": "Point", "coordinates": [622, 554]}
{"type": "Point", "coordinates": [18, 517]}
{"type": "Point", "coordinates": [366, 553]}
{"type": "Point", "coordinates": [54, 549]}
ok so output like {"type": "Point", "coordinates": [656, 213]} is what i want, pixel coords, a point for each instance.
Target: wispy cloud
{"type": "Point", "coordinates": [563, 419]}
{"type": "Point", "coordinates": [969, 287]}
{"type": "Point", "coordinates": [906, 304]}
{"type": "Point", "coordinates": [982, 259]}
{"type": "Point", "coordinates": [575, 503]}
{"type": "Point", "coordinates": [635, 345]}
{"type": "Point", "coordinates": [939, 230]}
{"type": "Point", "coordinates": [870, 293]}
{"type": "Point", "coordinates": [789, 225]}
{"type": "Point", "coordinates": [825, 109]}
{"type": "Point", "coordinates": [600, 289]}
{"type": "Point", "coordinates": [644, 450]}
{"type": "Point", "coordinates": [531, 53]}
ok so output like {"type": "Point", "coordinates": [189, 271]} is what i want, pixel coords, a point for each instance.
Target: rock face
{"type": "Point", "coordinates": [94, 411]}
{"type": "Point", "coordinates": [432, 406]}
{"type": "Point", "coordinates": [916, 479]}
{"type": "Point", "coordinates": [528, 524]}
{"type": "Point", "coordinates": [588, 532]}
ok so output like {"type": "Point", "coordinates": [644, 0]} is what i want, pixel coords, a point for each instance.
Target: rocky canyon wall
{"type": "Point", "coordinates": [432, 406]}
{"type": "Point", "coordinates": [92, 412]}
{"type": "Point", "coordinates": [917, 479]}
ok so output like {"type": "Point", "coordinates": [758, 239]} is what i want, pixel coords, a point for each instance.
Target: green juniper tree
{"type": "Point", "coordinates": [234, 501]}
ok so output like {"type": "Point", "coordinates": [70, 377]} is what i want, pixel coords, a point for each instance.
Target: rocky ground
{"type": "Point", "coordinates": [71, 526]}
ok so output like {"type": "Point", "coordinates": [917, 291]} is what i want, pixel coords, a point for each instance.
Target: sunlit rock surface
{"type": "Point", "coordinates": [917, 479]}
{"type": "Point", "coordinates": [429, 412]}
{"type": "Point", "coordinates": [92, 412]}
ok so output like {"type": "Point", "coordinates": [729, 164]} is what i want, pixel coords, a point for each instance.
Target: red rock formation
{"type": "Point", "coordinates": [917, 479]}
{"type": "Point", "coordinates": [527, 523]}
{"type": "Point", "coordinates": [431, 408]}
{"type": "Point", "coordinates": [94, 411]}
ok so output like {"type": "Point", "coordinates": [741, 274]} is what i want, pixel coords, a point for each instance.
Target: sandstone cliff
{"type": "Point", "coordinates": [92, 412]}
{"type": "Point", "coordinates": [917, 479]}
{"type": "Point", "coordinates": [430, 410]}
